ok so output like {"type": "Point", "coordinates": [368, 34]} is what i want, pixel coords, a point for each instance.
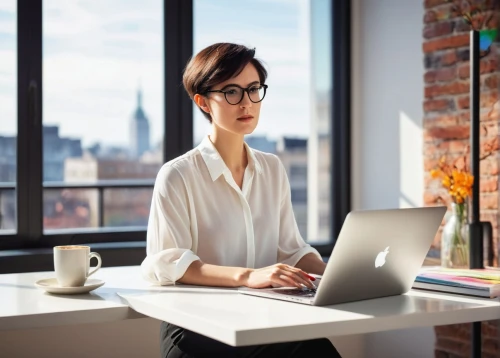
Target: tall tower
{"type": "Point", "coordinates": [139, 129]}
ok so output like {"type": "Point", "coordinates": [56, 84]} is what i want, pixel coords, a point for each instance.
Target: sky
{"type": "Point", "coordinates": [96, 54]}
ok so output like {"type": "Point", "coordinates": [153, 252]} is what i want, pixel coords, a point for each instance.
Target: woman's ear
{"type": "Point", "coordinates": [201, 101]}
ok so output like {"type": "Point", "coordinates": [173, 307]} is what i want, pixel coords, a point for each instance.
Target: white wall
{"type": "Point", "coordinates": [387, 103]}
{"type": "Point", "coordinates": [387, 135]}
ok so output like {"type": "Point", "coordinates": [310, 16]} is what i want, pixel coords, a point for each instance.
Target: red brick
{"type": "Point", "coordinates": [452, 132]}
{"type": "Point", "coordinates": [490, 345]}
{"type": "Point", "coordinates": [492, 82]}
{"type": "Point", "coordinates": [464, 71]}
{"type": "Point", "coordinates": [446, 74]}
{"type": "Point", "coordinates": [436, 149]}
{"type": "Point", "coordinates": [437, 29]}
{"type": "Point", "coordinates": [489, 99]}
{"type": "Point", "coordinates": [488, 65]}
{"type": "Point", "coordinates": [488, 185]}
{"type": "Point", "coordinates": [432, 3]}
{"type": "Point", "coordinates": [489, 147]}
{"type": "Point", "coordinates": [489, 5]}
{"type": "Point", "coordinates": [430, 76]}
{"type": "Point", "coordinates": [449, 58]}
{"type": "Point", "coordinates": [458, 146]}
{"type": "Point", "coordinates": [485, 116]}
{"type": "Point", "coordinates": [430, 198]}
{"type": "Point", "coordinates": [438, 105]}
{"type": "Point", "coordinates": [490, 355]}
{"type": "Point", "coordinates": [489, 167]}
{"type": "Point", "coordinates": [445, 43]}
{"type": "Point", "coordinates": [461, 26]}
{"type": "Point", "coordinates": [440, 121]}
{"type": "Point", "coordinates": [447, 89]}
{"type": "Point", "coordinates": [452, 346]}
{"type": "Point", "coordinates": [463, 102]}
{"type": "Point", "coordinates": [445, 12]}
{"type": "Point", "coordinates": [460, 331]}
{"type": "Point", "coordinates": [494, 112]}
{"type": "Point", "coordinates": [430, 164]}
{"type": "Point", "coordinates": [492, 23]}
{"type": "Point", "coordinates": [440, 354]}
{"type": "Point", "coordinates": [489, 201]}
{"type": "Point", "coordinates": [463, 117]}
{"type": "Point", "coordinates": [430, 16]}
{"type": "Point", "coordinates": [489, 129]}
{"type": "Point", "coordinates": [485, 66]}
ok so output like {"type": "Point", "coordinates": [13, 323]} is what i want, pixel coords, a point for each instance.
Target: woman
{"type": "Point", "coordinates": [221, 214]}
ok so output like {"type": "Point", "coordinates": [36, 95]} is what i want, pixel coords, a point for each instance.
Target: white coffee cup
{"type": "Point", "coordinates": [72, 264]}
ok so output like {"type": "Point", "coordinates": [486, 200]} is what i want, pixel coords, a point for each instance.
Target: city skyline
{"type": "Point", "coordinates": [89, 46]}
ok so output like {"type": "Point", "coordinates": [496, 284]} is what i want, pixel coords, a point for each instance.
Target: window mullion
{"type": "Point", "coordinates": [340, 144]}
{"type": "Point", "coordinates": [178, 37]}
{"type": "Point", "coordinates": [29, 138]}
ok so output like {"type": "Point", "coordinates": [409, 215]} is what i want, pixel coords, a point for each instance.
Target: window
{"type": "Point", "coordinates": [8, 123]}
{"type": "Point", "coordinates": [294, 122]}
{"type": "Point", "coordinates": [299, 196]}
{"type": "Point", "coordinates": [111, 71]}
{"type": "Point", "coordinates": [102, 111]}
{"type": "Point", "coordinates": [298, 172]}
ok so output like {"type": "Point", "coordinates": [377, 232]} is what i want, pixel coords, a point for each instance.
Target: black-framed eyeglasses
{"type": "Point", "coordinates": [234, 94]}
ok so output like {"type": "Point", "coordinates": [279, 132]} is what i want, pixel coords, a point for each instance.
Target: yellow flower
{"type": "Point", "coordinates": [457, 181]}
{"type": "Point", "coordinates": [435, 173]}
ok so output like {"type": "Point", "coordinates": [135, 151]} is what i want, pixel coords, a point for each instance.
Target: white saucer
{"type": "Point", "coordinates": [50, 285]}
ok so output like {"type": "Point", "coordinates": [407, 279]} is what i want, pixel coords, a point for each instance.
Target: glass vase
{"type": "Point", "coordinates": [455, 238]}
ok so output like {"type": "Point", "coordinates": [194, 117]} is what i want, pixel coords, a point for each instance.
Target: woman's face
{"type": "Point", "coordinates": [241, 118]}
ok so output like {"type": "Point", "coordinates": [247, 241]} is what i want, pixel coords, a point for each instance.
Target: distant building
{"type": "Point", "coordinates": [55, 151]}
{"type": "Point", "coordinates": [293, 155]}
{"type": "Point", "coordinates": [122, 207]}
{"type": "Point", "coordinates": [319, 170]}
{"type": "Point", "coordinates": [261, 143]}
{"type": "Point", "coordinates": [139, 130]}
{"type": "Point", "coordinates": [8, 146]}
{"type": "Point", "coordinates": [108, 151]}
{"type": "Point", "coordinates": [91, 169]}
{"type": "Point", "coordinates": [8, 149]}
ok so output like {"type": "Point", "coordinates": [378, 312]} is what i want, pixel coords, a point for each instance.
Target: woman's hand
{"type": "Point", "coordinates": [278, 275]}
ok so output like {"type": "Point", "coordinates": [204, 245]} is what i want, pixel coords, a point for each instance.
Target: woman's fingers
{"type": "Point", "coordinates": [285, 281]}
{"type": "Point", "coordinates": [303, 277]}
{"type": "Point", "coordinates": [297, 278]}
{"type": "Point", "coordinates": [301, 272]}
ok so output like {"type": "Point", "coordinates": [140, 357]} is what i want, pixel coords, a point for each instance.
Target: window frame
{"type": "Point", "coordinates": [178, 137]}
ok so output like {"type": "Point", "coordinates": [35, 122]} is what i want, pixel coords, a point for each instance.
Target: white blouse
{"type": "Point", "coordinates": [198, 212]}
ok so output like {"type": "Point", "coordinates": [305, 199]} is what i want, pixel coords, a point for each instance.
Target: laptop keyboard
{"type": "Point", "coordinates": [301, 293]}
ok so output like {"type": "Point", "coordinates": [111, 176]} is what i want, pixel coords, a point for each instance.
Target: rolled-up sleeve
{"type": "Point", "coordinates": [169, 238]}
{"type": "Point", "coordinates": [291, 245]}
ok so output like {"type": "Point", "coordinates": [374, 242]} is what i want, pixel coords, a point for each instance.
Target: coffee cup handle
{"type": "Point", "coordinates": [98, 257]}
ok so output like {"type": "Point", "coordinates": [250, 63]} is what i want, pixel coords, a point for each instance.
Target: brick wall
{"type": "Point", "coordinates": [446, 131]}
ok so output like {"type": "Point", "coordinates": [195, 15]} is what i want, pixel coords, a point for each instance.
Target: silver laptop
{"type": "Point", "coordinates": [378, 253]}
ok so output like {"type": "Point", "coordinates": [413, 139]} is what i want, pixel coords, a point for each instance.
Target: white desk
{"type": "Point", "coordinates": [224, 314]}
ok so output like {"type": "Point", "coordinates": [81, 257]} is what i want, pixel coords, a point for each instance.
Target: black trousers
{"type": "Point", "coordinates": [177, 342]}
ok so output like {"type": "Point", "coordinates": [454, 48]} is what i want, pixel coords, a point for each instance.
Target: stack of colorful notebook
{"type": "Point", "coordinates": [475, 282]}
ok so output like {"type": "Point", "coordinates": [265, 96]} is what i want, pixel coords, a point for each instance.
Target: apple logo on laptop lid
{"type": "Point", "coordinates": [380, 260]}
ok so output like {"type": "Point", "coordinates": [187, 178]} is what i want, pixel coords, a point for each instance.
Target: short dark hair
{"type": "Point", "coordinates": [218, 63]}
